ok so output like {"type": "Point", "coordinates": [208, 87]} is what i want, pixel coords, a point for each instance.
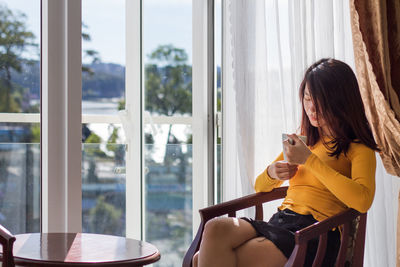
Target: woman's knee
{"type": "Point", "coordinates": [228, 231]}
{"type": "Point", "coordinates": [217, 228]}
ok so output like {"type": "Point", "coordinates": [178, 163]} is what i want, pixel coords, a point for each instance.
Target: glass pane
{"type": "Point", "coordinates": [168, 190]}
{"type": "Point", "coordinates": [168, 219]}
{"type": "Point", "coordinates": [20, 190]}
{"type": "Point", "coordinates": [20, 177]}
{"type": "Point", "coordinates": [20, 56]}
{"type": "Point", "coordinates": [103, 56]}
{"type": "Point", "coordinates": [103, 189]}
{"type": "Point", "coordinates": [103, 93]}
{"type": "Point", "coordinates": [19, 93]}
{"type": "Point", "coordinates": [167, 56]}
{"type": "Point", "coordinates": [103, 179]}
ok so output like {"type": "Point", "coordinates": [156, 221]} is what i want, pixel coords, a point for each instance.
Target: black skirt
{"type": "Point", "coordinates": [280, 229]}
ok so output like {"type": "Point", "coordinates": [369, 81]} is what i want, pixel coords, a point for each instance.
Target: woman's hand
{"type": "Point", "coordinates": [282, 170]}
{"type": "Point", "coordinates": [296, 153]}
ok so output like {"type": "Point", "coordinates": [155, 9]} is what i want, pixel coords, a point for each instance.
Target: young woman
{"type": "Point", "coordinates": [333, 172]}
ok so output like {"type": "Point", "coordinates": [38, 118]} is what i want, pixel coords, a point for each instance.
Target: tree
{"type": "Point", "coordinates": [92, 177]}
{"type": "Point", "coordinates": [119, 150]}
{"type": "Point", "coordinates": [93, 55]}
{"type": "Point", "coordinates": [168, 83]}
{"type": "Point", "coordinates": [14, 39]}
{"type": "Point", "coordinates": [93, 146]}
{"type": "Point", "coordinates": [105, 218]}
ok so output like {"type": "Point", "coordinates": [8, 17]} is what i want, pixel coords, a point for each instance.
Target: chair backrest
{"type": "Point", "coordinates": [352, 226]}
{"type": "Point", "coordinates": [7, 241]}
{"type": "Point", "coordinates": [355, 255]}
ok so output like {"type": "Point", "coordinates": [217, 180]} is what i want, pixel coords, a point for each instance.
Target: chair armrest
{"type": "Point", "coordinates": [5, 235]}
{"type": "Point", "coordinates": [318, 228]}
{"type": "Point", "coordinates": [7, 241]}
{"type": "Point", "coordinates": [242, 203]}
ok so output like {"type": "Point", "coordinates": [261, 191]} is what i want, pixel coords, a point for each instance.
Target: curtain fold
{"type": "Point", "coordinates": [376, 40]}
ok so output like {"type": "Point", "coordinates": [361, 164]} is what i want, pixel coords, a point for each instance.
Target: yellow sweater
{"type": "Point", "coordinates": [324, 186]}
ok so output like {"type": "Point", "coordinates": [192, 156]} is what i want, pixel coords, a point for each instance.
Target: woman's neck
{"type": "Point", "coordinates": [326, 132]}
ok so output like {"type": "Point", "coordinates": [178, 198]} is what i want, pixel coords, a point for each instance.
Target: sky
{"type": "Point", "coordinates": [164, 22]}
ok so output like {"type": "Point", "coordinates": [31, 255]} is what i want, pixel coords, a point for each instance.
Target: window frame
{"type": "Point", "coordinates": [61, 115]}
{"type": "Point", "coordinates": [61, 156]}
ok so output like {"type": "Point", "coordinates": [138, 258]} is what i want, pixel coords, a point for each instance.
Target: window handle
{"type": "Point", "coordinates": [218, 122]}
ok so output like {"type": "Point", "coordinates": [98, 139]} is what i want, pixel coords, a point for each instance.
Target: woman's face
{"type": "Point", "coordinates": [311, 112]}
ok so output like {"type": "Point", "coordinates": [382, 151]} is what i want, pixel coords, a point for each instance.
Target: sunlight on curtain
{"type": "Point", "coordinates": [380, 242]}
{"type": "Point", "coordinates": [268, 46]}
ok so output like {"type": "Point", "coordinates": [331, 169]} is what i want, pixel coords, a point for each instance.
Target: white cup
{"type": "Point", "coordinates": [291, 141]}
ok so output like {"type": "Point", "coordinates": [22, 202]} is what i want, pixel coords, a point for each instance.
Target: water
{"type": "Point", "coordinates": [101, 106]}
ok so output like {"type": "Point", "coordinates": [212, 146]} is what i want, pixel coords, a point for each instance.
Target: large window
{"type": "Point", "coordinates": [114, 149]}
{"type": "Point", "coordinates": [19, 117]}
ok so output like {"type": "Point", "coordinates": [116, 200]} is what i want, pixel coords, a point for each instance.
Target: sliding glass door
{"type": "Point", "coordinates": [167, 63]}
{"type": "Point", "coordinates": [103, 96]}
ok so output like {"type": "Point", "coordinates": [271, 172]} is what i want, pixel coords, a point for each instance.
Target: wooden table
{"type": "Point", "coordinates": [78, 249]}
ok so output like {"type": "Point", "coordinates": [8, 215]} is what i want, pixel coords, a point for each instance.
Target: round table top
{"type": "Point", "coordinates": [82, 248]}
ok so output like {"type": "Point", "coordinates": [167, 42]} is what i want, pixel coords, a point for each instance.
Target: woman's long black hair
{"type": "Point", "coordinates": [336, 96]}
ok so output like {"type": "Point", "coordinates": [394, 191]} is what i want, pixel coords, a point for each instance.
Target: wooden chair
{"type": "Point", "coordinates": [7, 241]}
{"type": "Point", "coordinates": [351, 222]}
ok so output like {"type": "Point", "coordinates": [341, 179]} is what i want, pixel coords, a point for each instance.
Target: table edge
{"type": "Point", "coordinates": [137, 262]}
{"type": "Point", "coordinates": [140, 261]}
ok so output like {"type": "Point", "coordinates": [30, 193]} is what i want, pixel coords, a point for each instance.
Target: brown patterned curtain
{"type": "Point", "coordinates": [376, 39]}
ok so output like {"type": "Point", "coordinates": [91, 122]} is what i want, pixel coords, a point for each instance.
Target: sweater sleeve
{"type": "Point", "coordinates": [265, 183]}
{"type": "Point", "coordinates": [357, 191]}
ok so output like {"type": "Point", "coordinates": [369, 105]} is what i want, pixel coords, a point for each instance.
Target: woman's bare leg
{"type": "Point", "coordinates": [220, 237]}
{"type": "Point", "coordinates": [259, 252]}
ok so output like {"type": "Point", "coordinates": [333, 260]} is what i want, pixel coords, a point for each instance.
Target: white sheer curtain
{"type": "Point", "coordinates": [268, 44]}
